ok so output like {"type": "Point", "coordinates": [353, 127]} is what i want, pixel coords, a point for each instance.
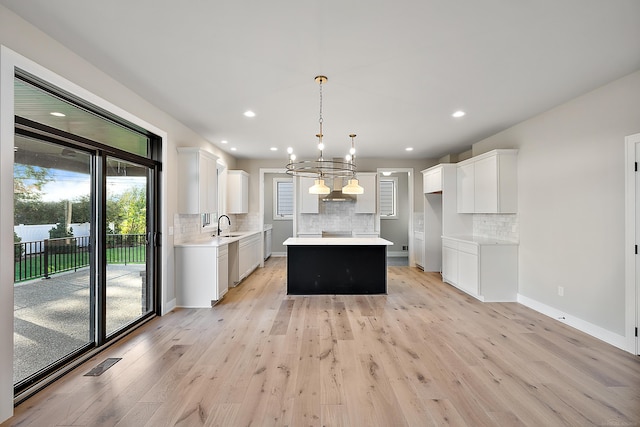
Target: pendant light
{"type": "Point", "coordinates": [320, 169]}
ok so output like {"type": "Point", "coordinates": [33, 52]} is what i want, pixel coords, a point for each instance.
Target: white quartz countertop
{"type": "Point", "coordinates": [336, 241]}
{"type": "Point", "coordinates": [480, 240]}
{"type": "Point", "coordinates": [218, 240]}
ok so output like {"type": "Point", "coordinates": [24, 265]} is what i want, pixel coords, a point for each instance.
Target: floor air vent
{"type": "Point", "coordinates": [102, 367]}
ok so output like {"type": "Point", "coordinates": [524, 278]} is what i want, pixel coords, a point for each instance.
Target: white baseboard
{"type": "Point", "coordinates": [168, 307]}
{"type": "Point", "coordinates": [398, 254]}
{"type": "Point", "coordinates": [278, 254]}
{"type": "Point", "coordinates": [609, 337]}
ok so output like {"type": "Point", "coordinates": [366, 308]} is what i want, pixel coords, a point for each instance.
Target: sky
{"type": "Point", "coordinates": [65, 185]}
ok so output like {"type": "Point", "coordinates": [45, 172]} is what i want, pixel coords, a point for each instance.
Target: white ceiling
{"type": "Point", "coordinates": [397, 70]}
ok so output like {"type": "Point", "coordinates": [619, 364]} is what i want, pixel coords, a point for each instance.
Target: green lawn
{"type": "Point", "coordinates": [31, 267]}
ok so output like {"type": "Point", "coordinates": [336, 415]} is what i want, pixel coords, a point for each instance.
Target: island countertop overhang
{"type": "Point", "coordinates": [336, 241]}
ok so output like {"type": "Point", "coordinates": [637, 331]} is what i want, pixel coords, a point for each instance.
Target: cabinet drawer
{"type": "Point", "coordinates": [470, 248]}
{"type": "Point", "coordinates": [453, 244]}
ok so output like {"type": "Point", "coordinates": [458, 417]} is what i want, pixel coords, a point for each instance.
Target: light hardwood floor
{"type": "Point", "coordinates": [426, 354]}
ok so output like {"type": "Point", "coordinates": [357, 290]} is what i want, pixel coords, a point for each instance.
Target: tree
{"type": "Point", "coordinates": [28, 181]}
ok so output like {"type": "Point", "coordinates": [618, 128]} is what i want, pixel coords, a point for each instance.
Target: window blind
{"type": "Point", "coordinates": [387, 198]}
{"type": "Point", "coordinates": [284, 198]}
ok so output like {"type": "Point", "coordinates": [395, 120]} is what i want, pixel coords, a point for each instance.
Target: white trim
{"type": "Point", "coordinates": [278, 254]}
{"type": "Point", "coordinates": [575, 322]}
{"type": "Point", "coordinates": [264, 171]}
{"type": "Point", "coordinates": [631, 297]}
{"type": "Point", "coordinates": [397, 254]}
{"type": "Point", "coordinates": [410, 179]}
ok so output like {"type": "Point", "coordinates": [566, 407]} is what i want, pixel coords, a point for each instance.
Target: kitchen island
{"type": "Point", "coordinates": [336, 265]}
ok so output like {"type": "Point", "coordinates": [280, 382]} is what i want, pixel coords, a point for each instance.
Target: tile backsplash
{"type": "Point", "coordinates": [336, 217]}
{"type": "Point", "coordinates": [189, 227]}
{"type": "Point", "coordinates": [496, 226]}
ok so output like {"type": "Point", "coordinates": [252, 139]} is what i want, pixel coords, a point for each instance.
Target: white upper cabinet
{"type": "Point", "coordinates": [197, 181]}
{"type": "Point", "coordinates": [366, 202]}
{"type": "Point", "coordinates": [432, 180]}
{"type": "Point", "coordinates": [237, 192]}
{"type": "Point", "coordinates": [466, 188]}
{"type": "Point", "coordinates": [308, 203]}
{"type": "Point", "coordinates": [488, 183]}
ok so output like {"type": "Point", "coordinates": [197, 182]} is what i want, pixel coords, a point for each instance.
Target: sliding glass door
{"type": "Point", "coordinates": [53, 283]}
{"type": "Point", "coordinates": [127, 294]}
{"type": "Point", "coordinates": [86, 221]}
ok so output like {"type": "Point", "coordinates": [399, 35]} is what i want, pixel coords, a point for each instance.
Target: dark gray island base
{"type": "Point", "coordinates": [317, 266]}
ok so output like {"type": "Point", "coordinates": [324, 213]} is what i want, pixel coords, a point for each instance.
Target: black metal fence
{"type": "Point", "coordinates": [45, 257]}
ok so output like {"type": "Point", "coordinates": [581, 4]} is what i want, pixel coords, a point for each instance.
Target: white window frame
{"type": "Point", "coordinates": [276, 215]}
{"type": "Point", "coordinates": [394, 179]}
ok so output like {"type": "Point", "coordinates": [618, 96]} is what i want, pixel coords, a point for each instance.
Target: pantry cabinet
{"type": "Point", "coordinates": [197, 181]}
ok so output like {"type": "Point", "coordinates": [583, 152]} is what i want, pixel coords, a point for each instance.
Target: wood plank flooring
{"type": "Point", "coordinates": [426, 354]}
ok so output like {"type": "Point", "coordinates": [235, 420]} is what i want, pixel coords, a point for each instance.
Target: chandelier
{"type": "Point", "coordinates": [320, 169]}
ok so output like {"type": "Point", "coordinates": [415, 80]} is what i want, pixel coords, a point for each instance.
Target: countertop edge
{"type": "Point", "coordinates": [337, 241]}
{"type": "Point", "coordinates": [477, 240]}
{"type": "Point", "coordinates": [217, 241]}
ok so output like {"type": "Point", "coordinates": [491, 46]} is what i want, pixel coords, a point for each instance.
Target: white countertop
{"type": "Point", "coordinates": [218, 241]}
{"type": "Point", "coordinates": [480, 240]}
{"type": "Point", "coordinates": [336, 241]}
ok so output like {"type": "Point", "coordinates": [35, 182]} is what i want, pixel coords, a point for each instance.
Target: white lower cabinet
{"type": "Point", "coordinates": [223, 270]}
{"type": "Point", "coordinates": [201, 280]}
{"type": "Point", "coordinates": [249, 254]}
{"type": "Point", "coordinates": [268, 241]}
{"type": "Point", "coordinates": [485, 269]}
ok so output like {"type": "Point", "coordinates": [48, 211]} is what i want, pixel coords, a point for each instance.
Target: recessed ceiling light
{"type": "Point", "coordinates": [387, 173]}
{"type": "Point", "coordinates": [57, 114]}
{"type": "Point", "coordinates": [233, 148]}
{"type": "Point", "coordinates": [249, 113]}
{"type": "Point", "coordinates": [409, 148]}
{"type": "Point", "coordinates": [458, 113]}
{"type": "Point", "coordinates": [224, 141]}
{"type": "Point", "coordinates": [273, 148]}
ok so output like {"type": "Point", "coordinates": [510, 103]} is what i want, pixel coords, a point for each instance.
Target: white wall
{"type": "Point", "coordinates": [39, 50]}
{"type": "Point", "coordinates": [571, 202]}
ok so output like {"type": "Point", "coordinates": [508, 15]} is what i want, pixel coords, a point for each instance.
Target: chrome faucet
{"type": "Point", "coordinates": [219, 229]}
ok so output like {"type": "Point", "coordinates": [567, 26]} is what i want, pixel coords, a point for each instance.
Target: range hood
{"type": "Point", "coordinates": [337, 195]}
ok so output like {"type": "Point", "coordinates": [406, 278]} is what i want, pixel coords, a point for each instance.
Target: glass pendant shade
{"type": "Point", "coordinates": [319, 187]}
{"type": "Point", "coordinates": [353, 187]}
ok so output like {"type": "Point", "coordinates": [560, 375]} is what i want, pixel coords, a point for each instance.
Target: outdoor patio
{"type": "Point", "coordinates": [52, 316]}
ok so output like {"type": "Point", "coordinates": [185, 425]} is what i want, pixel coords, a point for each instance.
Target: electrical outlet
{"type": "Point", "coordinates": [561, 291]}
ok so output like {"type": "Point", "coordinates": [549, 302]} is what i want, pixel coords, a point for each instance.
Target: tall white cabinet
{"type": "Point", "coordinates": [197, 181]}
{"type": "Point", "coordinates": [440, 213]}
